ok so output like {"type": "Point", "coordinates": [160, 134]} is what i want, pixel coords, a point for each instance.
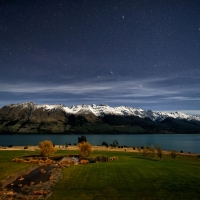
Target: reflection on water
{"type": "Point", "coordinates": [178, 142]}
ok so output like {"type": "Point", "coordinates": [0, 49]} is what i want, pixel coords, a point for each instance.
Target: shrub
{"type": "Point", "coordinates": [102, 158]}
{"type": "Point", "coordinates": [173, 154]}
{"type": "Point", "coordinates": [46, 148]}
{"type": "Point", "coordinates": [159, 152]}
{"type": "Point", "coordinates": [113, 158]}
{"type": "Point", "coordinates": [85, 149]}
{"type": "Point", "coordinates": [152, 151]}
{"type": "Point", "coordinates": [139, 149]}
{"type": "Point", "coordinates": [92, 160]}
{"type": "Point", "coordinates": [145, 151]}
{"type": "Point", "coordinates": [26, 147]}
{"type": "Point", "coordinates": [84, 162]}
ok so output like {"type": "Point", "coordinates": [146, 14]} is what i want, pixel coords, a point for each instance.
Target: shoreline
{"type": "Point", "coordinates": [94, 148]}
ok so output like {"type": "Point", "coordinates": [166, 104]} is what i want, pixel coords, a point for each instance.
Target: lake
{"type": "Point", "coordinates": [178, 142]}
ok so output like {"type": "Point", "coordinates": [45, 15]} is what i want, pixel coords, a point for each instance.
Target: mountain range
{"type": "Point", "coordinates": [29, 118]}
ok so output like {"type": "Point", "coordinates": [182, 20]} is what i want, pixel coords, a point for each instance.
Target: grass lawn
{"type": "Point", "coordinates": [7, 167]}
{"type": "Point", "coordinates": [130, 177]}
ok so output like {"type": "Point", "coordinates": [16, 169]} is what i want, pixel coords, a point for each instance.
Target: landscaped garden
{"type": "Point", "coordinates": [132, 176]}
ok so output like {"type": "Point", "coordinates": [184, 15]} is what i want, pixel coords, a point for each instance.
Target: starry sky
{"type": "Point", "coordinates": [139, 53]}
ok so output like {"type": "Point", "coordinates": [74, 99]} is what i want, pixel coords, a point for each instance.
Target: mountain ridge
{"type": "Point", "coordinates": [104, 109]}
{"type": "Point", "coordinates": [29, 117]}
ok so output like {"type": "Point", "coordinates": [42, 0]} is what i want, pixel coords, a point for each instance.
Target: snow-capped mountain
{"type": "Point", "coordinates": [103, 109]}
{"type": "Point", "coordinates": [29, 117]}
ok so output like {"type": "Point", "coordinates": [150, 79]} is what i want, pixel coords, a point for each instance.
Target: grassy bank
{"type": "Point", "coordinates": [130, 177]}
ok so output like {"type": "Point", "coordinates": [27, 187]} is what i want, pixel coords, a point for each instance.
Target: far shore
{"type": "Point", "coordinates": [94, 148]}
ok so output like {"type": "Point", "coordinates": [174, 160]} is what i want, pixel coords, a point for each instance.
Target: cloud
{"type": "Point", "coordinates": [125, 91]}
{"type": "Point", "coordinates": [191, 112]}
{"type": "Point", "coordinates": [106, 87]}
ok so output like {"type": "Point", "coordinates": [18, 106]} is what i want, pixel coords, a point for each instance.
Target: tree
{"type": "Point", "coordinates": [82, 139]}
{"type": "Point", "coordinates": [115, 143]}
{"type": "Point", "coordinates": [159, 152]}
{"type": "Point", "coordinates": [66, 145]}
{"type": "Point", "coordinates": [46, 148]}
{"type": "Point", "coordinates": [105, 144]}
{"type": "Point", "coordinates": [85, 149]}
{"type": "Point", "coordinates": [145, 151]}
{"type": "Point", "coordinates": [152, 151]}
{"type": "Point", "coordinates": [173, 154]}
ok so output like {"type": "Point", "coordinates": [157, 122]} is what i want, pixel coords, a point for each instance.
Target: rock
{"type": "Point", "coordinates": [32, 183]}
{"type": "Point", "coordinates": [42, 171]}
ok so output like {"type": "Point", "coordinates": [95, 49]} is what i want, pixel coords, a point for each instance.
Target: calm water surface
{"type": "Point", "coordinates": [178, 142]}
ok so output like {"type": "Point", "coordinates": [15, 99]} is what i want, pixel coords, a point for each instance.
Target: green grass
{"type": "Point", "coordinates": [7, 167]}
{"type": "Point", "coordinates": [130, 177]}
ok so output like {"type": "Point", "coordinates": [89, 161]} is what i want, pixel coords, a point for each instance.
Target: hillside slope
{"type": "Point", "coordinates": [81, 119]}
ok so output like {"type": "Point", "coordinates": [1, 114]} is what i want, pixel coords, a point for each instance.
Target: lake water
{"type": "Point", "coordinates": [178, 142]}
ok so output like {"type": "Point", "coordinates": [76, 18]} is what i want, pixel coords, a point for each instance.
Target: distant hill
{"type": "Point", "coordinates": [81, 119]}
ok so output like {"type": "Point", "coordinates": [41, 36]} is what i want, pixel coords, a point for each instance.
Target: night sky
{"type": "Point", "coordinates": [139, 53]}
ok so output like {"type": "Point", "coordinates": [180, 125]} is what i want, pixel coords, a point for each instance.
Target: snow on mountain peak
{"type": "Point", "coordinates": [104, 109]}
{"type": "Point", "coordinates": [50, 107]}
{"type": "Point", "coordinates": [24, 105]}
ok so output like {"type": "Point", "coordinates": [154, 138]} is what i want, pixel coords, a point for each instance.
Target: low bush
{"type": "Point", "coordinates": [159, 152]}
{"type": "Point", "coordinates": [173, 154]}
{"type": "Point", "coordinates": [145, 151]}
{"type": "Point", "coordinates": [102, 159]}
{"type": "Point", "coordinates": [84, 162]}
{"type": "Point", "coordinates": [92, 160]}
